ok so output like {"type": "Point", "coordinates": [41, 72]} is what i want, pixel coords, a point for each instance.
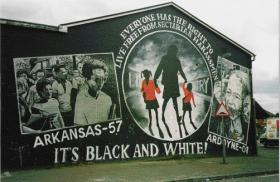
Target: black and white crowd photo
{"type": "Point", "coordinates": [55, 92]}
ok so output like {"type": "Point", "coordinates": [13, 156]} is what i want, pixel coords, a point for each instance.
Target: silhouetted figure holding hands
{"type": "Point", "coordinates": [169, 66]}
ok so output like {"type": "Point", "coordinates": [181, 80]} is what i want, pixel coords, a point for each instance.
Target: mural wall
{"type": "Point", "coordinates": [148, 87]}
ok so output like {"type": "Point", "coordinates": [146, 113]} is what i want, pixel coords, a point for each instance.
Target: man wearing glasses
{"type": "Point", "coordinates": [93, 105]}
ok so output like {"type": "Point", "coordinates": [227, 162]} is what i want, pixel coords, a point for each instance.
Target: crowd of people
{"type": "Point", "coordinates": [56, 100]}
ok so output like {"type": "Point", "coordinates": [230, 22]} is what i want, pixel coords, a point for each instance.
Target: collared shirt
{"type": "Point", "coordinates": [90, 110]}
{"type": "Point", "coordinates": [63, 95]}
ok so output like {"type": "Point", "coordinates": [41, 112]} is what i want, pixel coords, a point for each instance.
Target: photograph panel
{"type": "Point", "coordinates": [62, 91]}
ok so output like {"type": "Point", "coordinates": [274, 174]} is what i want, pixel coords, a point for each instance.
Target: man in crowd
{"type": "Point", "coordinates": [22, 89]}
{"type": "Point", "coordinates": [33, 96]}
{"type": "Point", "coordinates": [23, 74]}
{"type": "Point", "coordinates": [93, 105]}
{"type": "Point", "coordinates": [78, 79]}
{"type": "Point", "coordinates": [61, 89]}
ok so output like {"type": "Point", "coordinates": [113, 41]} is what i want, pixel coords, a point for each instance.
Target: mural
{"type": "Point", "coordinates": [148, 87]}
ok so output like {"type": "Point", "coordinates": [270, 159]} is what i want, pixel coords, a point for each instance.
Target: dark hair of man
{"type": "Point", "coordinates": [20, 72]}
{"type": "Point", "coordinates": [41, 84]}
{"type": "Point", "coordinates": [88, 67]}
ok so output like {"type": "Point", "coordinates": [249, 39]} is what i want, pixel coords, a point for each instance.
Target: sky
{"type": "Point", "coordinates": [254, 24]}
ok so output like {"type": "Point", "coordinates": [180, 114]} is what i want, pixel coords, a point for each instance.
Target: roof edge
{"type": "Point", "coordinates": [32, 25]}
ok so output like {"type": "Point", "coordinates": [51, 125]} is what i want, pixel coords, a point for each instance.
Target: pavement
{"type": "Point", "coordinates": [180, 169]}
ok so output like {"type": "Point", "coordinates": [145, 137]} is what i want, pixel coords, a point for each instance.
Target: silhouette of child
{"type": "Point", "coordinates": [188, 96]}
{"type": "Point", "coordinates": [149, 90]}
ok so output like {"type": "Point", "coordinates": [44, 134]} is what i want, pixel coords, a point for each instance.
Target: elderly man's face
{"type": "Point", "coordinates": [234, 96]}
{"type": "Point", "coordinates": [97, 79]}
